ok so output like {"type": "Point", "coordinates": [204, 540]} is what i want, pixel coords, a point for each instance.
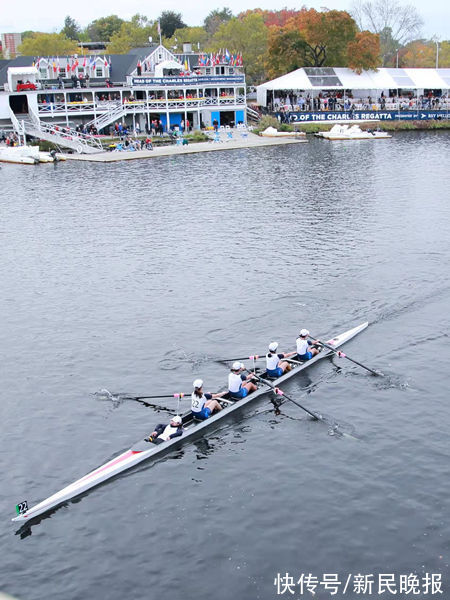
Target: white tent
{"type": "Point", "coordinates": [167, 65]}
{"type": "Point", "coordinates": [328, 78]}
{"type": "Point", "coordinates": [16, 74]}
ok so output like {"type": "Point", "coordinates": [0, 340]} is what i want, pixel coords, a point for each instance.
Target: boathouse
{"type": "Point", "coordinates": [41, 95]}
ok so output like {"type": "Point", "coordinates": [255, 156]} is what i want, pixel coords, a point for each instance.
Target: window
{"type": "Point", "coordinates": [43, 72]}
{"type": "Point", "coordinates": [99, 71]}
{"type": "Point", "coordinates": [62, 72]}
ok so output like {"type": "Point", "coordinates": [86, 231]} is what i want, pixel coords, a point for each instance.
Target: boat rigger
{"type": "Point", "coordinates": [193, 429]}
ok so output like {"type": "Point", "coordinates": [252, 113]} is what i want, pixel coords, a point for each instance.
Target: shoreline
{"type": "Point", "coordinates": [251, 140]}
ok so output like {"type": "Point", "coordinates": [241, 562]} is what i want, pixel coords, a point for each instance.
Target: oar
{"type": "Point", "coordinates": [252, 357]}
{"type": "Point", "coordinates": [112, 396]}
{"type": "Point", "coordinates": [177, 396]}
{"type": "Point", "coordinates": [343, 355]}
{"type": "Point", "coordinates": [315, 416]}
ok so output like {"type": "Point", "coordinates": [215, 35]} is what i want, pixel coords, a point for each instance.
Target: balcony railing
{"type": "Point", "coordinates": [137, 106]}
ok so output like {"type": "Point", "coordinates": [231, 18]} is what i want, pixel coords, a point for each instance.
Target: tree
{"type": "Point", "coordinates": [71, 29]}
{"type": "Point", "coordinates": [315, 39]}
{"type": "Point", "coordinates": [364, 52]}
{"type": "Point", "coordinates": [102, 30]}
{"type": "Point", "coordinates": [247, 35]}
{"type": "Point", "coordinates": [132, 34]}
{"type": "Point", "coordinates": [194, 35]}
{"type": "Point", "coordinates": [287, 50]}
{"type": "Point", "coordinates": [388, 48]}
{"type": "Point", "coordinates": [169, 22]}
{"type": "Point", "coordinates": [402, 21]}
{"type": "Point", "coordinates": [215, 19]}
{"type": "Point", "coordinates": [47, 44]}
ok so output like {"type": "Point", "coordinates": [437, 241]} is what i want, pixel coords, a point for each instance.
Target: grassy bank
{"type": "Point", "coordinates": [193, 137]}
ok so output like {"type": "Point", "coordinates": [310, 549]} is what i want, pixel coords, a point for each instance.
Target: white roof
{"type": "Point", "coordinates": [22, 71]}
{"type": "Point", "coordinates": [381, 79]}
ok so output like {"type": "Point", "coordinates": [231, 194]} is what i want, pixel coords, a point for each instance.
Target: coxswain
{"type": "Point", "coordinates": [163, 433]}
{"type": "Point", "coordinates": [203, 404]}
{"type": "Point", "coordinates": [240, 385]}
{"type": "Point", "coordinates": [305, 348]}
{"type": "Point", "coordinates": [275, 365]}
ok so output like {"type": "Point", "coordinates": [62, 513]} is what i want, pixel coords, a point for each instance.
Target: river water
{"type": "Point", "coordinates": [138, 277]}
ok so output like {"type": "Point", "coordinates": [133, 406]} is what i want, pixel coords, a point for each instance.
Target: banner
{"type": "Point", "coordinates": [363, 115]}
{"type": "Point", "coordinates": [187, 81]}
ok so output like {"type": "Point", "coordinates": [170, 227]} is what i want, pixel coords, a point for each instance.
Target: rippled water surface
{"type": "Point", "coordinates": [137, 277]}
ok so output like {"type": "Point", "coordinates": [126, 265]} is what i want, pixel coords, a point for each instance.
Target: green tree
{"type": "Point", "coordinates": [248, 35]}
{"type": "Point", "coordinates": [194, 35]}
{"type": "Point", "coordinates": [215, 19]}
{"type": "Point", "coordinates": [287, 51]}
{"type": "Point", "coordinates": [28, 34]}
{"type": "Point", "coordinates": [71, 29]}
{"type": "Point", "coordinates": [47, 44]}
{"type": "Point", "coordinates": [170, 21]}
{"type": "Point", "coordinates": [102, 30]}
{"type": "Point", "coordinates": [132, 34]}
{"type": "Point", "coordinates": [388, 47]}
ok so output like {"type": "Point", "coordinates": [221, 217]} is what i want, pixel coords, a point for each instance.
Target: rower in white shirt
{"type": "Point", "coordinates": [203, 404]}
{"type": "Point", "coordinates": [275, 365]}
{"type": "Point", "coordinates": [240, 385]}
{"type": "Point", "coordinates": [305, 348]}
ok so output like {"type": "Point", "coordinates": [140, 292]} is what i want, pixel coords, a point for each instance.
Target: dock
{"type": "Point", "coordinates": [250, 140]}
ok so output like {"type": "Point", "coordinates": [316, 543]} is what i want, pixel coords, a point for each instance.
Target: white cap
{"type": "Point", "coordinates": [198, 383]}
{"type": "Point", "coordinates": [273, 346]}
{"type": "Point", "coordinates": [236, 366]}
{"type": "Point", "coordinates": [304, 332]}
{"type": "Point", "coordinates": [176, 419]}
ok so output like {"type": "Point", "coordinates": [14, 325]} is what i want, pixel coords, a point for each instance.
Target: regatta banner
{"type": "Point", "coordinates": [223, 79]}
{"type": "Point", "coordinates": [363, 115]}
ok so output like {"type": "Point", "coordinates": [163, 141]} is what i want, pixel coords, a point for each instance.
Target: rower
{"type": "Point", "coordinates": [305, 348]}
{"type": "Point", "coordinates": [240, 385]}
{"type": "Point", "coordinates": [163, 433]}
{"type": "Point", "coordinates": [275, 366]}
{"type": "Point", "coordinates": [203, 404]}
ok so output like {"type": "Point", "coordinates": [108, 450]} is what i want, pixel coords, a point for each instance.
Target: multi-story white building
{"type": "Point", "coordinates": [134, 89]}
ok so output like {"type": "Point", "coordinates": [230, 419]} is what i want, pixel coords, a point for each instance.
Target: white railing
{"type": "Point", "coordinates": [65, 136]}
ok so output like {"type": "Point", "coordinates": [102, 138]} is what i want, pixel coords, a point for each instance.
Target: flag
{"type": "Point", "coordinates": [54, 66]}
{"type": "Point", "coordinates": [105, 61]}
{"type": "Point", "coordinates": [84, 62]}
{"type": "Point", "coordinates": [159, 28]}
{"type": "Point", "coordinates": [227, 55]}
{"type": "Point", "coordinates": [186, 64]}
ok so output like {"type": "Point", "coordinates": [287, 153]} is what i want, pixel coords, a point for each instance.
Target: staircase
{"type": "Point", "coordinates": [61, 136]}
{"type": "Point", "coordinates": [114, 114]}
{"type": "Point", "coordinates": [253, 115]}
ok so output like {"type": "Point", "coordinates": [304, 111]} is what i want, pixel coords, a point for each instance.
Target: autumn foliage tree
{"type": "Point", "coordinates": [364, 52]}
{"type": "Point", "coordinates": [315, 39]}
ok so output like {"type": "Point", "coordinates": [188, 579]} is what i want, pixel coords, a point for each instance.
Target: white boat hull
{"type": "Point", "coordinates": [144, 450]}
{"type": "Point", "coordinates": [344, 132]}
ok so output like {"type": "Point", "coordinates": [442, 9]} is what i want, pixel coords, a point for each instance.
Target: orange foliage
{"type": "Point", "coordinates": [418, 54]}
{"type": "Point", "coordinates": [364, 52]}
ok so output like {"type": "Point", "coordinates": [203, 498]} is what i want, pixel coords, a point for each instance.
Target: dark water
{"type": "Point", "coordinates": [134, 277]}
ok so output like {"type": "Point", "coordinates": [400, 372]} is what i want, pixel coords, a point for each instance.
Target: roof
{"type": "Point", "coordinates": [323, 78]}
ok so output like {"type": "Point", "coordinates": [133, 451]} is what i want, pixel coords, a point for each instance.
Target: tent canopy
{"type": "Point", "coordinates": [335, 78]}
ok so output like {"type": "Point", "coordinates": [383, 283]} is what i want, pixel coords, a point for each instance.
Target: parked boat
{"type": "Point", "coordinates": [23, 155]}
{"type": "Point", "coordinates": [344, 132]}
{"type": "Point", "coordinates": [272, 132]}
{"type": "Point", "coordinates": [144, 449]}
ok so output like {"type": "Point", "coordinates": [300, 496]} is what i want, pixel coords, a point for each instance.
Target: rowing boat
{"type": "Point", "coordinates": [193, 429]}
